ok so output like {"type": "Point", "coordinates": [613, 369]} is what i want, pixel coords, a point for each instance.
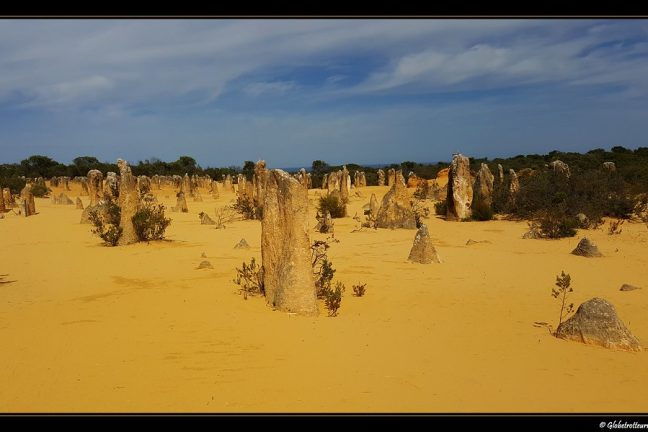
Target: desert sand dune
{"type": "Point", "coordinates": [138, 328]}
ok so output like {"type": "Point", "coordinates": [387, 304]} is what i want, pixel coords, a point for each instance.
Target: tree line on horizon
{"type": "Point", "coordinates": [632, 166]}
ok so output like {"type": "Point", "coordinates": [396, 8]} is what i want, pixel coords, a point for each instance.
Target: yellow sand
{"type": "Point", "coordinates": [138, 328]}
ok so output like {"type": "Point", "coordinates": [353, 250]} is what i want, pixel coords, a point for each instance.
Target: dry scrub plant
{"type": "Point", "coordinates": [563, 282]}
{"type": "Point", "coordinates": [150, 223]}
{"type": "Point", "coordinates": [322, 268]}
{"type": "Point", "coordinates": [246, 207]}
{"type": "Point", "coordinates": [224, 215]}
{"type": "Point", "coordinates": [250, 278]}
{"type": "Point", "coordinates": [615, 227]}
{"type": "Point", "coordinates": [333, 299]}
{"type": "Point", "coordinates": [105, 219]}
{"type": "Point", "coordinates": [359, 289]}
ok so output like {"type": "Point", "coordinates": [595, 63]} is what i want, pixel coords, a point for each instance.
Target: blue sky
{"type": "Point", "coordinates": [292, 91]}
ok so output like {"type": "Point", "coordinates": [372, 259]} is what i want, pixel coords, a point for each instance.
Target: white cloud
{"type": "Point", "coordinates": [333, 79]}
{"type": "Point", "coordinates": [272, 88]}
{"type": "Point", "coordinates": [550, 57]}
{"type": "Point", "coordinates": [70, 63]}
{"type": "Point", "coordinates": [81, 90]}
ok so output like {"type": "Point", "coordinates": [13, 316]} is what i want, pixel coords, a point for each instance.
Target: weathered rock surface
{"type": "Point", "coordinates": [95, 186]}
{"type": "Point", "coordinates": [560, 167]}
{"type": "Point", "coordinates": [28, 206]}
{"type": "Point", "coordinates": [324, 223]}
{"type": "Point", "coordinates": [260, 177]}
{"type": "Point", "coordinates": [345, 184]}
{"type": "Point", "coordinates": [596, 323]}
{"type": "Point", "coordinates": [204, 265]}
{"type": "Point", "coordinates": [514, 185]}
{"type": "Point", "coordinates": [396, 208]}
{"type": "Point", "coordinates": [111, 189]}
{"type": "Point", "coordinates": [460, 191]}
{"type": "Point", "coordinates": [242, 244]}
{"type": "Point", "coordinates": [181, 203]}
{"type": "Point", "coordinates": [324, 182]}
{"type": "Point", "coordinates": [187, 186]}
{"type": "Point", "coordinates": [586, 248]}
{"type": "Point", "coordinates": [333, 180]}
{"type": "Point", "coordinates": [9, 200]}
{"type": "Point", "coordinates": [381, 177]}
{"type": "Point", "coordinates": [61, 199]}
{"type": "Point", "coordinates": [423, 251]}
{"type": "Point", "coordinates": [374, 207]}
{"type": "Point", "coordinates": [143, 185]}
{"type": "Point", "coordinates": [391, 175]}
{"type": "Point", "coordinates": [206, 220]}
{"type": "Point", "coordinates": [483, 188]}
{"type": "Point", "coordinates": [471, 242]}
{"type": "Point", "coordinates": [285, 246]}
{"type": "Point", "coordinates": [129, 201]}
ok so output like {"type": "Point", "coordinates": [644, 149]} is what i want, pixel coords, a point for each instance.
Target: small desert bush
{"type": "Point", "coordinates": [105, 219]}
{"type": "Point", "coordinates": [556, 224]}
{"type": "Point", "coordinates": [322, 268]}
{"type": "Point", "coordinates": [225, 215]}
{"type": "Point", "coordinates": [246, 207]}
{"type": "Point", "coordinates": [333, 299]}
{"type": "Point", "coordinates": [333, 205]}
{"type": "Point", "coordinates": [370, 220]}
{"type": "Point", "coordinates": [39, 191]}
{"type": "Point", "coordinates": [150, 223]}
{"type": "Point", "coordinates": [563, 282]}
{"type": "Point", "coordinates": [441, 208]}
{"type": "Point", "coordinates": [615, 227]}
{"type": "Point", "coordinates": [250, 278]}
{"type": "Point", "coordinates": [324, 278]}
{"type": "Point", "coordinates": [359, 289]}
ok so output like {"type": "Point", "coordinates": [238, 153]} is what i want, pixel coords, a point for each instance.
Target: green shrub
{"type": "Point", "coordinates": [359, 290]}
{"type": "Point", "coordinates": [150, 223]}
{"type": "Point", "coordinates": [333, 299]}
{"type": "Point", "coordinates": [619, 206]}
{"type": "Point", "coordinates": [15, 184]}
{"type": "Point", "coordinates": [105, 219]}
{"type": "Point", "coordinates": [250, 278]}
{"type": "Point", "coordinates": [323, 278]}
{"type": "Point", "coordinates": [246, 207]}
{"type": "Point", "coordinates": [333, 205]}
{"type": "Point", "coordinates": [591, 192]}
{"type": "Point", "coordinates": [39, 191]}
{"type": "Point", "coordinates": [323, 270]}
{"type": "Point", "coordinates": [556, 224]}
